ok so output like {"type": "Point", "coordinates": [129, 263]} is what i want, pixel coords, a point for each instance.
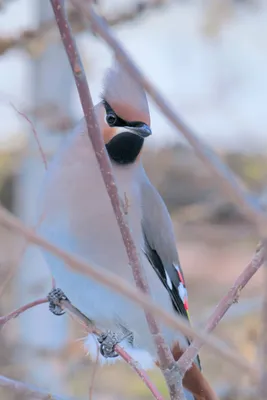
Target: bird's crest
{"type": "Point", "coordinates": [126, 97]}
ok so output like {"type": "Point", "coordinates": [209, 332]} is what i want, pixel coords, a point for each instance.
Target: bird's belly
{"type": "Point", "coordinates": [93, 234]}
{"type": "Point", "coordinates": [104, 306]}
{"type": "Point", "coordinates": [79, 219]}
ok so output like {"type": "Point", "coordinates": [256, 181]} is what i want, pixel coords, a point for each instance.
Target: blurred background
{"type": "Point", "coordinates": [209, 58]}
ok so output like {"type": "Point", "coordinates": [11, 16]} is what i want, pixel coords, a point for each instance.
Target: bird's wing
{"type": "Point", "coordinates": [160, 248]}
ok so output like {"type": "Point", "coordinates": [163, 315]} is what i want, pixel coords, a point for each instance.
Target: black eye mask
{"type": "Point", "coordinates": [119, 122]}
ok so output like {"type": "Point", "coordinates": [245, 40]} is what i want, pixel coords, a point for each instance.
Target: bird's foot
{"type": "Point", "coordinates": [55, 297]}
{"type": "Point", "coordinates": [108, 340]}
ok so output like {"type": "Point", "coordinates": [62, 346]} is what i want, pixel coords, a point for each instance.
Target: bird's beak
{"type": "Point", "coordinates": [142, 130]}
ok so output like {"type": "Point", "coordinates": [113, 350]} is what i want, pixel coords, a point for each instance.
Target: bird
{"type": "Point", "coordinates": [77, 216]}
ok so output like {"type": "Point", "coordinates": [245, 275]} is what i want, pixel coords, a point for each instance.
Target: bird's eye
{"type": "Point", "coordinates": [111, 119]}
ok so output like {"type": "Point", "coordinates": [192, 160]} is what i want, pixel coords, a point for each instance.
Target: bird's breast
{"type": "Point", "coordinates": [77, 212]}
{"type": "Point", "coordinates": [77, 216]}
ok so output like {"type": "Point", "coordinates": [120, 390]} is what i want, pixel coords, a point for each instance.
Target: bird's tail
{"type": "Point", "coordinates": [194, 380]}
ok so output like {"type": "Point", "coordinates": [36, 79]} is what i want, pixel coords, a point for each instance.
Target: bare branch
{"type": "Point", "coordinates": [165, 357]}
{"type": "Point", "coordinates": [35, 41]}
{"type": "Point", "coordinates": [30, 392]}
{"type": "Point", "coordinates": [225, 303]}
{"type": "Point", "coordinates": [14, 266]}
{"type": "Point", "coordinates": [126, 357]}
{"type": "Point", "coordinates": [91, 328]}
{"type": "Point", "coordinates": [121, 286]}
{"type": "Point", "coordinates": [20, 310]}
{"type": "Point", "coordinates": [229, 184]}
{"type": "Point", "coordinates": [263, 340]}
{"type": "Point", "coordinates": [22, 114]}
{"type": "Point", "coordinates": [52, 116]}
{"type": "Point", "coordinates": [225, 177]}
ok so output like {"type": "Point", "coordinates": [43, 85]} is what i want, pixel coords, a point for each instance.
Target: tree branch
{"type": "Point", "coordinates": [226, 179]}
{"type": "Point", "coordinates": [65, 304]}
{"type": "Point", "coordinates": [228, 183]}
{"type": "Point", "coordinates": [20, 310]}
{"type": "Point", "coordinates": [225, 303]}
{"type": "Point", "coordinates": [42, 154]}
{"type": "Point", "coordinates": [263, 339]}
{"type": "Point", "coordinates": [36, 40]}
{"type": "Point", "coordinates": [121, 286]}
{"type": "Point", "coordinates": [14, 265]}
{"type": "Point", "coordinates": [86, 322]}
{"type": "Point", "coordinates": [165, 357]}
{"type": "Point", "coordinates": [27, 391]}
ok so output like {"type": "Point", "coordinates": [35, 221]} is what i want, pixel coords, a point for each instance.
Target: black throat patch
{"type": "Point", "coordinates": [125, 147]}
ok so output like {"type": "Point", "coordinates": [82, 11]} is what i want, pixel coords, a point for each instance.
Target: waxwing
{"type": "Point", "coordinates": [77, 216]}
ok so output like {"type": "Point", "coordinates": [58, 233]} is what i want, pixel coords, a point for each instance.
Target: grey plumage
{"type": "Point", "coordinates": [159, 235]}
{"type": "Point", "coordinates": [77, 216]}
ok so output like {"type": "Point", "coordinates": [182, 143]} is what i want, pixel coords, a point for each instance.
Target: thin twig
{"type": "Point", "coordinates": [115, 282]}
{"type": "Point", "coordinates": [226, 179]}
{"type": "Point", "coordinates": [165, 356]}
{"type": "Point", "coordinates": [22, 114]}
{"type": "Point", "coordinates": [20, 310]}
{"type": "Point", "coordinates": [13, 267]}
{"type": "Point", "coordinates": [11, 273]}
{"type": "Point", "coordinates": [225, 303]}
{"type": "Point", "coordinates": [263, 340]}
{"type": "Point", "coordinates": [27, 391]}
{"type": "Point", "coordinates": [126, 357]}
{"type": "Point", "coordinates": [93, 377]}
{"type": "Point", "coordinates": [142, 374]}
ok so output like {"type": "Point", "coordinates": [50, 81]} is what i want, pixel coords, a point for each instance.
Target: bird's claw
{"type": "Point", "coordinates": [54, 298]}
{"type": "Point", "coordinates": [108, 340]}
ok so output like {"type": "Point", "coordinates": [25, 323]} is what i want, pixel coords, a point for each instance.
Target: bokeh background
{"type": "Point", "coordinates": [209, 58]}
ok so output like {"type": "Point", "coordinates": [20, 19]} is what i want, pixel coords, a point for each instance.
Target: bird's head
{"type": "Point", "coordinates": [126, 113]}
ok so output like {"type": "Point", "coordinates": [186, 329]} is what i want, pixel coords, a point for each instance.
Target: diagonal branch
{"type": "Point", "coordinates": [16, 313]}
{"type": "Point", "coordinates": [263, 340]}
{"type": "Point", "coordinates": [121, 286]}
{"type": "Point", "coordinates": [164, 354]}
{"type": "Point", "coordinates": [27, 391]}
{"type": "Point", "coordinates": [231, 297]}
{"type": "Point", "coordinates": [66, 304]}
{"type": "Point", "coordinates": [227, 180]}
{"type": "Point", "coordinates": [42, 153]}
